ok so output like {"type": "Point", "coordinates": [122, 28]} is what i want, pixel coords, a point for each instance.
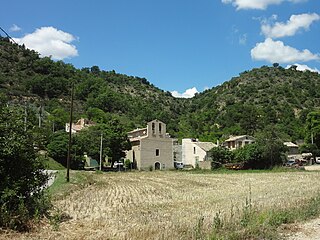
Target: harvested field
{"type": "Point", "coordinates": [169, 205]}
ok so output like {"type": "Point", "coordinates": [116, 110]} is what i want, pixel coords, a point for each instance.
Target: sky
{"type": "Point", "coordinates": [181, 46]}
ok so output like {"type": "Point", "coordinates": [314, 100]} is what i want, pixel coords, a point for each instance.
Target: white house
{"type": "Point", "coordinates": [235, 142]}
{"type": "Point", "coordinates": [195, 152]}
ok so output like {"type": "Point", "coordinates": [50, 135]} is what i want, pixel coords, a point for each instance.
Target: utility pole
{"type": "Point", "coordinates": [40, 113]}
{"type": "Point", "coordinates": [70, 131]}
{"type": "Point", "coordinates": [100, 153]}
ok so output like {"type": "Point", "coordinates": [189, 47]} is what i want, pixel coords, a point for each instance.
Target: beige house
{"type": "Point", "coordinates": [196, 153]}
{"type": "Point", "coordinates": [79, 125]}
{"type": "Point", "coordinates": [152, 147]}
{"type": "Point", "coordinates": [293, 149]}
{"type": "Point", "coordinates": [235, 142]}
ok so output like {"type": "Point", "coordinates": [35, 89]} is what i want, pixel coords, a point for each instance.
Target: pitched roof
{"type": "Point", "coordinates": [138, 130]}
{"type": "Point", "coordinates": [206, 146]}
{"type": "Point", "coordinates": [235, 138]}
{"type": "Point", "coordinates": [290, 144]}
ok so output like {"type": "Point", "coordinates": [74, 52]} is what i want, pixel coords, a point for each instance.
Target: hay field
{"type": "Point", "coordinates": [169, 205]}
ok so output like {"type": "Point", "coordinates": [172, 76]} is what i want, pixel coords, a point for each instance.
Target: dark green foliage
{"type": "Point", "coordinates": [313, 128]}
{"type": "Point", "coordinates": [246, 104]}
{"type": "Point", "coordinates": [58, 147]}
{"type": "Point", "coordinates": [310, 148]}
{"type": "Point", "coordinates": [252, 157]}
{"type": "Point", "coordinates": [221, 155]}
{"type": "Point", "coordinates": [115, 140]}
{"type": "Point", "coordinates": [256, 99]}
{"type": "Point", "coordinates": [271, 147]}
{"type": "Point", "coordinates": [21, 173]}
{"type": "Point", "coordinates": [267, 152]}
{"type": "Point", "coordinates": [58, 118]}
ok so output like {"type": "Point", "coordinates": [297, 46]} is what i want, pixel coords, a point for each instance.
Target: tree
{"type": "Point", "coordinates": [97, 115]}
{"type": "Point", "coordinates": [58, 118]}
{"type": "Point", "coordinates": [272, 148]}
{"type": "Point", "coordinates": [249, 121]}
{"type": "Point", "coordinates": [95, 70]}
{"type": "Point", "coordinates": [115, 140]}
{"type": "Point", "coordinates": [221, 155]}
{"type": "Point", "coordinates": [313, 128]}
{"type": "Point", "coordinates": [21, 173]}
{"type": "Point", "coordinates": [251, 156]}
{"type": "Point", "coordinates": [275, 65]}
{"type": "Point", "coordinates": [58, 147]}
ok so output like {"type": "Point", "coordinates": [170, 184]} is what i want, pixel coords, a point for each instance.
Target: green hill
{"type": "Point", "coordinates": [99, 94]}
{"type": "Point", "coordinates": [246, 104]}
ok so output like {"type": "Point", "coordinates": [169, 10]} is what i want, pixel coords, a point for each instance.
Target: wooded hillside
{"type": "Point", "coordinates": [246, 104]}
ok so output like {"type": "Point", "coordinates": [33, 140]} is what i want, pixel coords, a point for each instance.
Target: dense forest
{"type": "Point", "coordinates": [265, 97]}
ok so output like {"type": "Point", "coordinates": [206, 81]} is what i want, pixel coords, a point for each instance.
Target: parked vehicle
{"type": "Point", "coordinates": [291, 162]}
{"type": "Point", "coordinates": [318, 160]}
{"type": "Point", "coordinates": [118, 166]}
{"type": "Point", "coordinates": [178, 165]}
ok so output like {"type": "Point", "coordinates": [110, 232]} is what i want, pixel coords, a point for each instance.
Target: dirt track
{"type": "Point", "coordinates": [311, 229]}
{"type": "Point", "coordinates": [307, 231]}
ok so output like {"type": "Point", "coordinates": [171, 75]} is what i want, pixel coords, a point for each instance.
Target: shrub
{"type": "Point", "coordinates": [221, 155]}
{"type": "Point", "coordinates": [22, 177]}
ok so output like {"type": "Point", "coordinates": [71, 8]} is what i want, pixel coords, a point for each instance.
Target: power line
{"type": "Point", "coordinates": [7, 35]}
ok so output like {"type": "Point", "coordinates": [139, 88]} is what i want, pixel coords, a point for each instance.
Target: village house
{"type": "Point", "coordinates": [293, 149]}
{"type": "Point", "coordinates": [79, 125]}
{"type": "Point", "coordinates": [151, 147]}
{"type": "Point", "coordinates": [195, 153]}
{"type": "Point", "coordinates": [235, 142]}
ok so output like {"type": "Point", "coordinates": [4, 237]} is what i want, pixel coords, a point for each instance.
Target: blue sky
{"type": "Point", "coordinates": [178, 45]}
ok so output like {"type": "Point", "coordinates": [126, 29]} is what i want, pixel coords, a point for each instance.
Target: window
{"type": "Point", "coordinates": [194, 150]}
{"type": "Point", "coordinates": [160, 128]}
{"type": "Point", "coordinates": [157, 152]}
{"type": "Point", "coordinates": [153, 129]}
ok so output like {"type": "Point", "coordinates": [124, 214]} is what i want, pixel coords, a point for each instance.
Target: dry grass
{"type": "Point", "coordinates": [169, 205]}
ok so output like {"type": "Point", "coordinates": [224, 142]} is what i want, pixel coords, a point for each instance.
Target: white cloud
{"type": "Point", "coordinates": [49, 41]}
{"type": "Point", "coordinates": [256, 4]}
{"type": "Point", "coordinates": [189, 93]}
{"type": "Point", "coordinates": [290, 28]}
{"type": "Point", "coordinates": [302, 67]}
{"type": "Point", "coordinates": [15, 28]}
{"type": "Point", "coordinates": [276, 51]}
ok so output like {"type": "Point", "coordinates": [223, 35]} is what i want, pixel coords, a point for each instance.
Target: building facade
{"type": "Point", "coordinates": [79, 125]}
{"type": "Point", "coordinates": [235, 142]}
{"type": "Point", "coordinates": [151, 147]}
{"type": "Point", "coordinates": [194, 153]}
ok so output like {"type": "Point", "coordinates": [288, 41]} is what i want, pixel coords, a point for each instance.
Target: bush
{"type": "Point", "coordinates": [22, 177]}
{"type": "Point", "coordinates": [221, 155]}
